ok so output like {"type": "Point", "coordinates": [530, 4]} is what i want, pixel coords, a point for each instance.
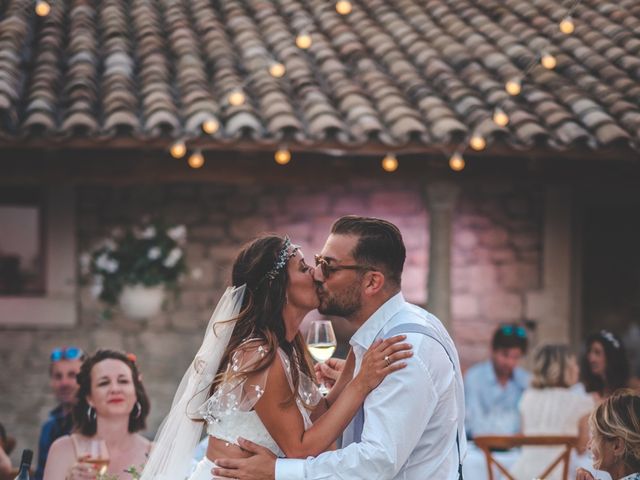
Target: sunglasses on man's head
{"type": "Point", "coordinates": [509, 330]}
{"type": "Point", "coordinates": [328, 269]}
{"type": "Point", "coordinates": [66, 353]}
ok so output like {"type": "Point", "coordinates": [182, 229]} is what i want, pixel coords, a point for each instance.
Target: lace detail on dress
{"type": "Point", "coordinates": [229, 411]}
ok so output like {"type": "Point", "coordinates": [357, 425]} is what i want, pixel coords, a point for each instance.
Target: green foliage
{"type": "Point", "coordinates": [149, 255]}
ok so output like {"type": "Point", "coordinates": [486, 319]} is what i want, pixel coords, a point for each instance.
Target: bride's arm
{"type": "Point", "coordinates": [284, 422]}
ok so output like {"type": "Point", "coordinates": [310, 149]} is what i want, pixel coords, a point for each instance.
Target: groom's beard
{"type": "Point", "coordinates": [341, 304]}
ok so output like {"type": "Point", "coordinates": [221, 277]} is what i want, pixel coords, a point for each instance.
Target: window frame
{"type": "Point", "coordinates": [58, 306]}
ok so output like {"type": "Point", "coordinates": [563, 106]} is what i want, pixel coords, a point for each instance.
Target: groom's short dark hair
{"type": "Point", "coordinates": [379, 244]}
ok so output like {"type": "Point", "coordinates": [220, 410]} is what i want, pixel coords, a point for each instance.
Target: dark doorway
{"type": "Point", "coordinates": [611, 272]}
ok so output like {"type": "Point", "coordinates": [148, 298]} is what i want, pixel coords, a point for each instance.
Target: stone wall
{"type": "Point", "coordinates": [496, 260]}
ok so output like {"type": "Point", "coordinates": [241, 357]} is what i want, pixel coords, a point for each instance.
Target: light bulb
{"type": "Point", "coordinates": [303, 41]}
{"type": "Point", "coordinates": [513, 86]}
{"type": "Point", "coordinates": [178, 149]}
{"type": "Point", "coordinates": [566, 25]}
{"type": "Point", "coordinates": [343, 7]}
{"type": "Point", "coordinates": [477, 142]}
{"type": "Point", "coordinates": [282, 156]}
{"type": "Point", "coordinates": [500, 117]}
{"type": "Point", "coordinates": [210, 126]}
{"type": "Point", "coordinates": [390, 163]}
{"type": "Point", "coordinates": [196, 159]}
{"type": "Point", "coordinates": [456, 162]}
{"type": "Point", "coordinates": [277, 70]}
{"type": "Point", "coordinates": [236, 98]}
{"type": "Point", "coordinates": [548, 61]}
{"type": "Point", "coordinates": [42, 8]}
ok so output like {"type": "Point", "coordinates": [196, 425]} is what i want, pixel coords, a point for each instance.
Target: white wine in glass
{"type": "Point", "coordinates": [98, 456]}
{"type": "Point", "coordinates": [321, 342]}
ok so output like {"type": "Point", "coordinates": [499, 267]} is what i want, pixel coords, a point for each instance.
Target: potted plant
{"type": "Point", "coordinates": [135, 266]}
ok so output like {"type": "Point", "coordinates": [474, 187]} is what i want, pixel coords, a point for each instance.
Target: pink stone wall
{"type": "Point", "coordinates": [496, 260]}
{"type": "Point", "coordinates": [497, 248]}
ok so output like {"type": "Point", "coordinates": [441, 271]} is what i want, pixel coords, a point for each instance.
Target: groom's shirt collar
{"type": "Point", "coordinates": [370, 329]}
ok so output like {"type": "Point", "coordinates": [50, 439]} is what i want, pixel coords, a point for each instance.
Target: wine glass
{"type": "Point", "coordinates": [98, 456]}
{"type": "Point", "coordinates": [321, 342]}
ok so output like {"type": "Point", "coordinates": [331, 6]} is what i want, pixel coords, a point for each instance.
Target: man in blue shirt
{"type": "Point", "coordinates": [493, 388]}
{"type": "Point", "coordinates": [63, 369]}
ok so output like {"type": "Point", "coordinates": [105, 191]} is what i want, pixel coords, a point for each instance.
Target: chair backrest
{"type": "Point", "coordinates": [489, 443]}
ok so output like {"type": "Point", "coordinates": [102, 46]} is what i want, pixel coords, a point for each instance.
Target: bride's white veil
{"type": "Point", "coordinates": [177, 437]}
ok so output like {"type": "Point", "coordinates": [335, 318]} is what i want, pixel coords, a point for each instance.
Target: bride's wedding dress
{"type": "Point", "coordinates": [229, 411]}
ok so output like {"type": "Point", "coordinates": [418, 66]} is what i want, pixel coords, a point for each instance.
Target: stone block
{"type": "Point", "coordinates": [194, 300]}
{"type": "Point", "coordinates": [271, 205]}
{"type": "Point", "coordinates": [248, 228]}
{"type": "Point", "coordinates": [502, 255]}
{"type": "Point", "coordinates": [308, 205]}
{"type": "Point", "coordinates": [494, 237]}
{"type": "Point", "coordinates": [241, 204]}
{"type": "Point", "coordinates": [526, 240]}
{"type": "Point", "coordinates": [519, 276]}
{"type": "Point", "coordinates": [396, 202]}
{"type": "Point", "coordinates": [350, 205]}
{"type": "Point", "coordinates": [106, 337]}
{"type": "Point", "coordinates": [189, 319]}
{"type": "Point", "coordinates": [207, 232]}
{"type": "Point", "coordinates": [464, 306]}
{"type": "Point", "coordinates": [465, 238]}
{"type": "Point", "coordinates": [473, 221]}
{"type": "Point", "coordinates": [298, 232]}
{"type": "Point", "coordinates": [414, 283]}
{"type": "Point", "coordinates": [502, 307]}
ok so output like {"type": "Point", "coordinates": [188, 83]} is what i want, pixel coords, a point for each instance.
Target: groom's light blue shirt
{"type": "Point", "coordinates": [412, 417]}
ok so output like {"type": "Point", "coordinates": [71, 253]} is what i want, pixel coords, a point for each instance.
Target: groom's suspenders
{"type": "Point", "coordinates": [417, 328]}
{"type": "Point", "coordinates": [353, 432]}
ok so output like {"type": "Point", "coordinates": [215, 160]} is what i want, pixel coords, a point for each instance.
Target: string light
{"type": "Point", "coordinates": [389, 163]}
{"type": "Point", "coordinates": [343, 7]}
{"type": "Point", "coordinates": [236, 98]}
{"type": "Point", "coordinates": [42, 8]}
{"type": "Point", "coordinates": [548, 61]}
{"type": "Point", "coordinates": [500, 117]}
{"type": "Point", "coordinates": [566, 25]}
{"type": "Point", "coordinates": [513, 86]}
{"type": "Point", "coordinates": [178, 149]}
{"type": "Point", "coordinates": [196, 159]}
{"type": "Point", "coordinates": [210, 126]}
{"type": "Point", "coordinates": [456, 162]}
{"type": "Point", "coordinates": [277, 70]}
{"type": "Point", "coordinates": [303, 40]}
{"type": "Point", "coordinates": [477, 142]}
{"type": "Point", "coordinates": [282, 156]}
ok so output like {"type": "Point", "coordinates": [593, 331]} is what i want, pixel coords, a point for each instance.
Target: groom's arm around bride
{"type": "Point", "coordinates": [411, 425]}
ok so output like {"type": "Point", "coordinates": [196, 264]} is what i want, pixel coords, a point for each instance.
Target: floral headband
{"type": "Point", "coordinates": [288, 250]}
{"type": "Point", "coordinates": [607, 335]}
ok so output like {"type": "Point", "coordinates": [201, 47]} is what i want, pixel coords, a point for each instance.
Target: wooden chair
{"type": "Point", "coordinates": [487, 443]}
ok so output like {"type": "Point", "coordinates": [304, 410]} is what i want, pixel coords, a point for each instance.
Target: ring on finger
{"type": "Point", "coordinates": [386, 360]}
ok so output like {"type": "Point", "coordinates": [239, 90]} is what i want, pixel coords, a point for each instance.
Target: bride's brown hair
{"type": "Point", "coordinates": [260, 317]}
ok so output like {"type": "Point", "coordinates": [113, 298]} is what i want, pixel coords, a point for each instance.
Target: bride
{"type": "Point", "coordinates": [252, 376]}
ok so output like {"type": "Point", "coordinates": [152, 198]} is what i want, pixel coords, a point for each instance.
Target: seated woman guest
{"type": "Point", "coordinates": [551, 407]}
{"type": "Point", "coordinates": [615, 442]}
{"type": "Point", "coordinates": [605, 366]}
{"type": "Point", "coordinates": [111, 407]}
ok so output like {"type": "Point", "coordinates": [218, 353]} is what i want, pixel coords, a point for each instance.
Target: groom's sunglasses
{"type": "Point", "coordinates": [327, 269]}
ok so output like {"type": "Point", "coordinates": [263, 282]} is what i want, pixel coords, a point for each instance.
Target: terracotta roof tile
{"type": "Point", "coordinates": [390, 72]}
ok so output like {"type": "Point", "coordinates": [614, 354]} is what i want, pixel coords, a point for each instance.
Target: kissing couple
{"type": "Point", "coordinates": [398, 403]}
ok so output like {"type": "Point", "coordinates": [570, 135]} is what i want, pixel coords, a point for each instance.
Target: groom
{"type": "Point", "coordinates": [412, 425]}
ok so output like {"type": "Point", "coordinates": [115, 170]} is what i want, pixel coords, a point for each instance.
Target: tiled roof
{"type": "Point", "coordinates": [390, 73]}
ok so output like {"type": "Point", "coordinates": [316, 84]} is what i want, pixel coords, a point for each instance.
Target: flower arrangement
{"type": "Point", "coordinates": [147, 255]}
